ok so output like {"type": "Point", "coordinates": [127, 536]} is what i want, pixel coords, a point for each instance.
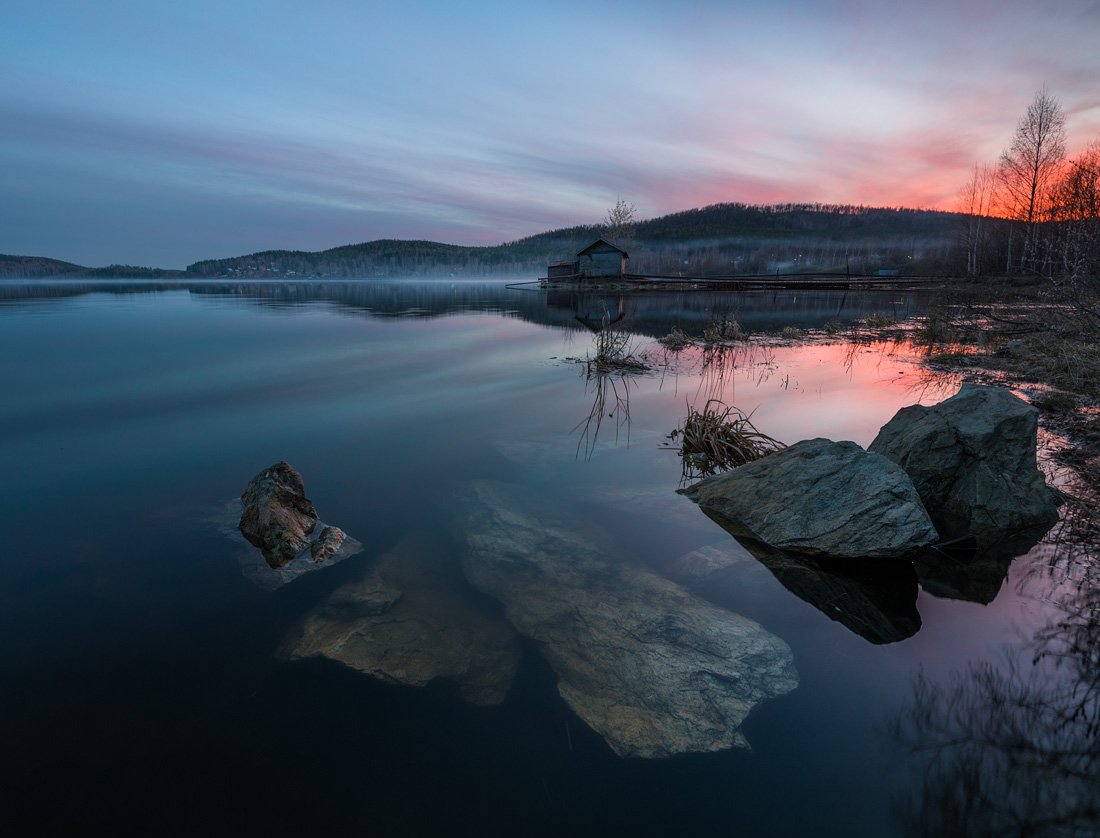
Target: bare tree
{"type": "Point", "coordinates": [1029, 166]}
{"type": "Point", "coordinates": [619, 226]}
{"type": "Point", "coordinates": [975, 202]}
{"type": "Point", "coordinates": [1075, 208]}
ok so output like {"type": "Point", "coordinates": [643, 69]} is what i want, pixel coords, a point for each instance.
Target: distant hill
{"type": "Point", "coordinates": [817, 221]}
{"type": "Point", "coordinates": [30, 267]}
{"type": "Point", "coordinates": [718, 239]}
{"type": "Point", "coordinates": [132, 272]}
{"type": "Point", "coordinates": [384, 257]}
{"type": "Point", "coordinates": [37, 267]}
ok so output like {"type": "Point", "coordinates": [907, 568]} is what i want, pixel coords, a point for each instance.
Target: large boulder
{"type": "Point", "coordinates": [820, 498]}
{"type": "Point", "coordinates": [972, 459]}
{"type": "Point", "coordinates": [411, 619]}
{"type": "Point", "coordinates": [653, 669]}
{"type": "Point", "coordinates": [277, 516]}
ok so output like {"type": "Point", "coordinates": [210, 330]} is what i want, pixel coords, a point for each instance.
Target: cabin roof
{"type": "Point", "coordinates": [596, 245]}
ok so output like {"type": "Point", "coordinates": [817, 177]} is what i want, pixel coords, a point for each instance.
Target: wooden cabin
{"type": "Point", "coordinates": [563, 270]}
{"type": "Point", "coordinates": [601, 260]}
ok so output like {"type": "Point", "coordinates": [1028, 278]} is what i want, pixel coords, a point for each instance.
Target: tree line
{"type": "Point", "coordinates": [1035, 210]}
{"type": "Point", "coordinates": [718, 239]}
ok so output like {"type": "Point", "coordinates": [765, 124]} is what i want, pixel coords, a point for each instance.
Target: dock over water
{"type": "Point", "coordinates": [820, 282]}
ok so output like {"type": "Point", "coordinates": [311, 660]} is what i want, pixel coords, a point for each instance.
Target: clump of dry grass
{"type": "Point", "coordinates": [675, 339]}
{"type": "Point", "coordinates": [723, 329]}
{"type": "Point", "coordinates": [879, 320]}
{"type": "Point", "coordinates": [792, 332]}
{"type": "Point", "coordinates": [614, 352]}
{"type": "Point", "coordinates": [719, 437]}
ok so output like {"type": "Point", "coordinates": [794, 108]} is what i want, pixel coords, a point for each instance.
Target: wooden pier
{"type": "Point", "coordinates": [759, 282]}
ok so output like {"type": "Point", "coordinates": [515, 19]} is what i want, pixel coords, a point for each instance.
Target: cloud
{"type": "Point", "coordinates": [479, 125]}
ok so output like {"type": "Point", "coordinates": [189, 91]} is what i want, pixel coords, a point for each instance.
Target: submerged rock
{"type": "Point", "coordinates": [277, 516]}
{"type": "Point", "coordinates": [653, 669]}
{"type": "Point", "coordinates": [709, 560]}
{"type": "Point", "coordinates": [972, 459]}
{"type": "Point", "coordinates": [819, 498]}
{"type": "Point", "coordinates": [411, 619]}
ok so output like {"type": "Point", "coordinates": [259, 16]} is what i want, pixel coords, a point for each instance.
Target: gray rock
{"type": "Point", "coordinates": [819, 498]}
{"type": "Point", "coordinates": [653, 669]}
{"type": "Point", "coordinates": [277, 516]}
{"type": "Point", "coordinates": [412, 619]}
{"type": "Point", "coordinates": [972, 459]}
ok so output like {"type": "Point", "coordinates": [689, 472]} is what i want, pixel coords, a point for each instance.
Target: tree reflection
{"type": "Point", "coordinates": [1014, 749]}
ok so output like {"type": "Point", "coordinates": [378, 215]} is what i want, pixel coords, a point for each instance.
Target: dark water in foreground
{"type": "Point", "coordinates": [139, 687]}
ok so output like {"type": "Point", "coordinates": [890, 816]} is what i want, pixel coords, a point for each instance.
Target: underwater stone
{"type": "Point", "coordinates": [653, 669]}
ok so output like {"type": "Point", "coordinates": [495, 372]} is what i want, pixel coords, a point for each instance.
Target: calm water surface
{"type": "Point", "coordinates": [139, 684]}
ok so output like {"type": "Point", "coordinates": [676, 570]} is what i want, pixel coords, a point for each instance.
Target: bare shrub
{"type": "Point", "coordinates": [675, 339]}
{"type": "Point", "coordinates": [719, 437]}
{"type": "Point", "coordinates": [723, 329]}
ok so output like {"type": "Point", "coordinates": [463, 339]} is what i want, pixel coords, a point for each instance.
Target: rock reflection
{"type": "Point", "coordinates": [1015, 749]}
{"type": "Point", "coordinates": [970, 574]}
{"type": "Point", "coordinates": [874, 598]}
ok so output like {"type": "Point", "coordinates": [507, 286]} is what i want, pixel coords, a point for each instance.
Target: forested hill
{"type": "Point", "coordinates": [839, 221]}
{"type": "Point", "coordinates": [29, 267]}
{"type": "Point", "coordinates": [759, 235]}
{"type": "Point", "coordinates": [721, 238]}
{"type": "Point", "coordinates": [35, 267]}
{"type": "Point", "coordinates": [384, 257]}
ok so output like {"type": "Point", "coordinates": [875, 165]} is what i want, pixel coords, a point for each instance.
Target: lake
{"type": "Point", "coordinates": [146, 682]}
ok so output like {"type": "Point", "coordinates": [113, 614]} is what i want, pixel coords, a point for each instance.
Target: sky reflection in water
{"type": "Point", "coordinates": [143, 658]}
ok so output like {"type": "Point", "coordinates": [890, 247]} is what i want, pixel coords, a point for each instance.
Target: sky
{"type": "Point", "coordinates": [157, 133]}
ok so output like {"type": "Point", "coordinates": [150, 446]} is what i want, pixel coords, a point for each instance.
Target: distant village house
{"type": "Point", "coordinates": [600, 260]}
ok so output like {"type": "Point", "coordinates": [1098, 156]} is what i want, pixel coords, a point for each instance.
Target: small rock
{"type": "Point", "coordinates": [277, 516]}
